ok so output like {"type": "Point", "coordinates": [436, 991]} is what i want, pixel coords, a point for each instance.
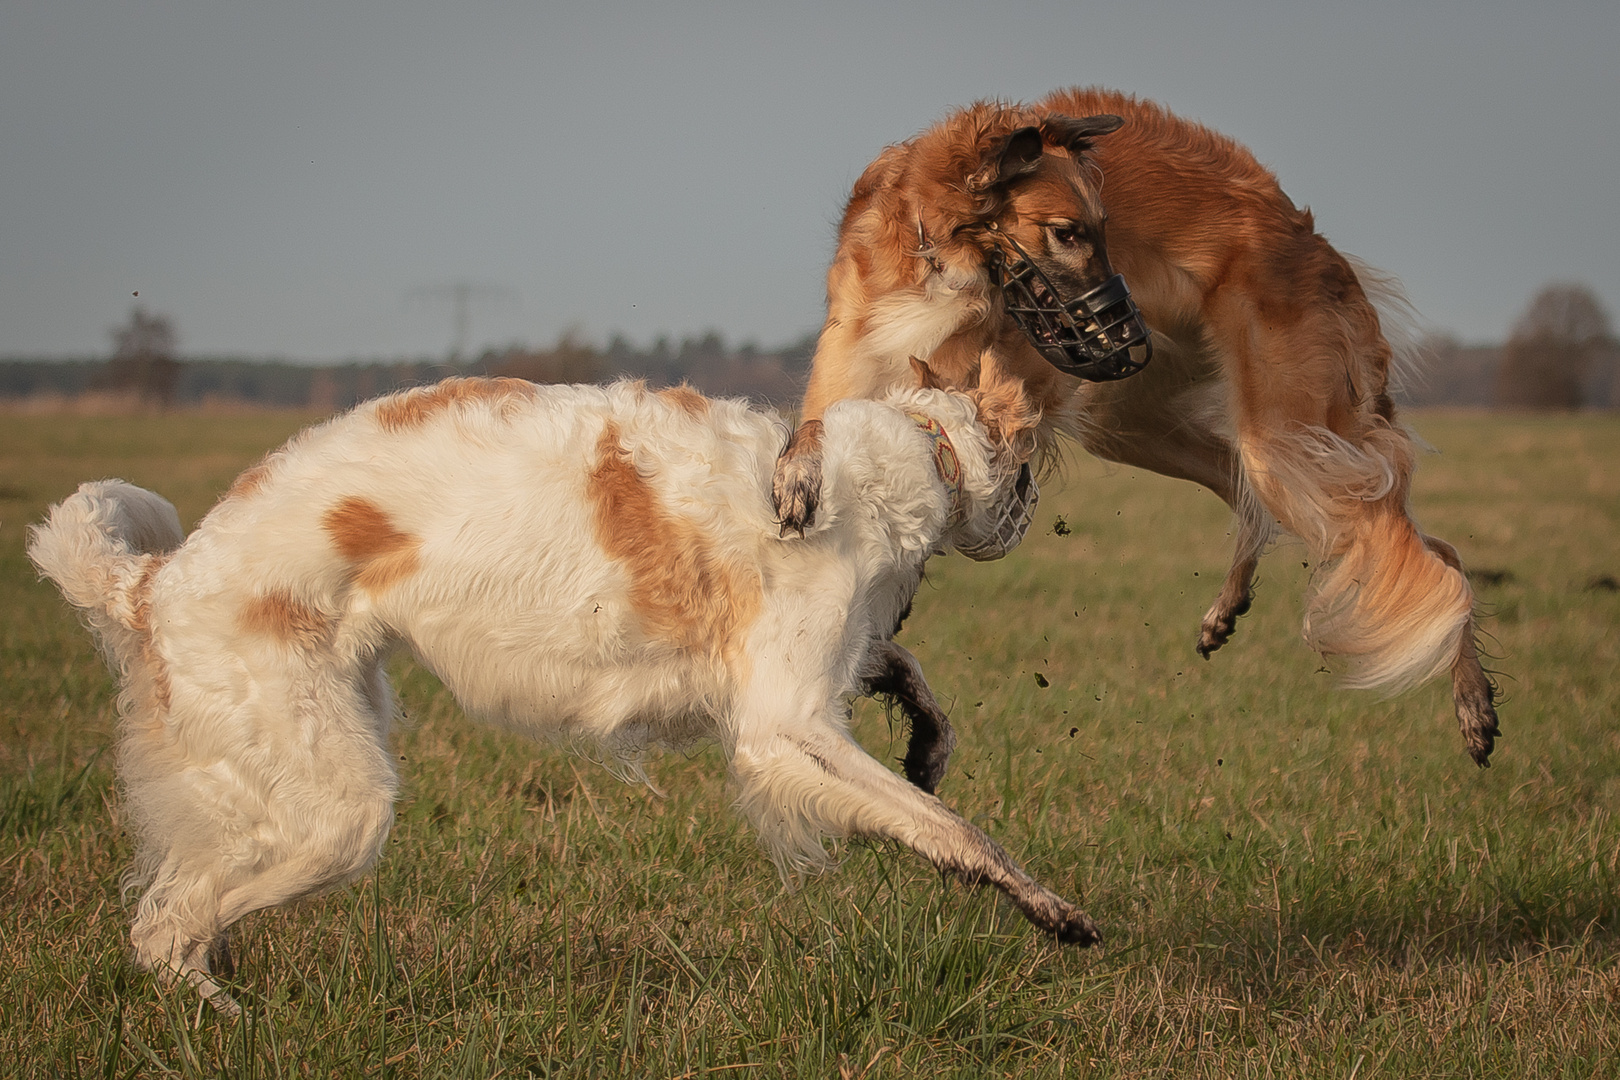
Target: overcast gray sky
{"type": "Point", "coordinates": [279, 177]}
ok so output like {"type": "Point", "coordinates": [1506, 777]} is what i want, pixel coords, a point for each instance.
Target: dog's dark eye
{"type": "Point", "coordinates": [1066, 235]}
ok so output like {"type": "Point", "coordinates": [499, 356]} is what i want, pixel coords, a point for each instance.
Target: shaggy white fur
{"type": "Point", "coordinates": [578, 562]}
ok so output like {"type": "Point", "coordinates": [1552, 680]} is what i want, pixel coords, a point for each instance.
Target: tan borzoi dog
{"type": "Point", "coordinates": [595, 563]}
{"type": "Point", "coordinates": [1270, 382]}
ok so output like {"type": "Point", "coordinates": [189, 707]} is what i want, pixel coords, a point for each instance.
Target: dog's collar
{"type": "Point", "coordinates": [946, 462]}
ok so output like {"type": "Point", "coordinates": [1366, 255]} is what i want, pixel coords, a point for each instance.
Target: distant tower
{"type": "Point", "coordinates": [461, 295]}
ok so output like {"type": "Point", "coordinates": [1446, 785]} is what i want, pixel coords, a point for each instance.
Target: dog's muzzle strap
{"type": "Point", "coordinates": [1007, 529]}
{"type": "Point", "coordinates": [1098, 335]}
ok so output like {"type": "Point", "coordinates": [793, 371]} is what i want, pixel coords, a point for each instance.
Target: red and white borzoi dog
{"type": "Point", "coordinates": [596, 563]}
{"type": "Point", "coordinates": [1271, 370]}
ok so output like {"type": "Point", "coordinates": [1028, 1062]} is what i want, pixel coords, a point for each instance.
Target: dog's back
{"type": "Point", "coordinates": [519, 538]}
{"type": "Point", "coordinates": [588, 560]}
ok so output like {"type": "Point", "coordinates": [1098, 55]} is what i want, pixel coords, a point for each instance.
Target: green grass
{"type": "Point", "coordinates": [1293, 880]}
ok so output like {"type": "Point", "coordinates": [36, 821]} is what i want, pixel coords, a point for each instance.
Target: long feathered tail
{"type": "Point", "coordinates": [1382, 601]}
{"type": "Point", "coordinates": [101, 545]}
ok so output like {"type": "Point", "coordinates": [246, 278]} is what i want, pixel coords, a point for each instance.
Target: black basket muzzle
{"type": "Point", "coordinates": [1098, 335]}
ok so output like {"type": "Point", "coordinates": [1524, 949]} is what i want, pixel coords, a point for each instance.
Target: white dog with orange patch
{"type": "Point", "coordinates": [597, 563]}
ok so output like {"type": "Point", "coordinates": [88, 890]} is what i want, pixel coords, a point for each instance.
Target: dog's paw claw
{"type": "Point", "coordinates": [797, 491]}
{"type": "Point", "coordinates": [1480, 730]}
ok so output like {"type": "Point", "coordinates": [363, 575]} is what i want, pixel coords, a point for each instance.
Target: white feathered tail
{"type": "Point", "coordinates": [100, 545]}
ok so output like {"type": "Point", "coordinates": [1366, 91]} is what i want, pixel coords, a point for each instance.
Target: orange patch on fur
{"type": "Point", "coordinates": [686, 399]}
{"type": "Point", "coordinates": [413, 408]}
{"type": "Point", "coordinates": [141, 623]}
{"type": "Point", "coordinates": [682, 590]}
{"type": "Point", "coordinates": [381, 554]}
{"type": "Point", "coordinates": [249, 482]}
{"type": "Point", "coordinates": [279, 616]}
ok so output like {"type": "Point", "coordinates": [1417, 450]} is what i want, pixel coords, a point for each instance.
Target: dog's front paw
{"type": "Point", "coordinates": [796, 485]}
{"type": "Point", "coordinates": [925, 770]}
{"type": "Point", "coordinates": [797, 490]}
{"type": "Point", "coordinates": [1077, 928]}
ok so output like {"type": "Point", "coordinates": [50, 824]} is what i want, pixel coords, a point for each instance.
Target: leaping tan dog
{"type": "Point", "coordinates": [1270, 377]}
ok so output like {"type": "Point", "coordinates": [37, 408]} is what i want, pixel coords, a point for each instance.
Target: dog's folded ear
{"type": "Point", "coordinates": [925, 375]}
{"type": "Point", "coordinates": [1076, 132]}
{"type": "Point", "coordinates": [1007, 158]}
{"type": "Point", "coordinates": [1006, 410]}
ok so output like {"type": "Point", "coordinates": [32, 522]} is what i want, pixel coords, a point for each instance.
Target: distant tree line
{"type": "Point", "coordinates": [775, 376]}
{"type": "Point", "coordinates": [201, 380]}
{"type": "Point", "coordinates": [1561, 354]}
{"type": "Point", "coordinates": [145, 370]}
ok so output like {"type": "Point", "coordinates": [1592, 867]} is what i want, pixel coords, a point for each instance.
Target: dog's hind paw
{"type": "Point", "coordinates": [1475, 699]}
{"type": "Point", "coordinates": [1220, 622]}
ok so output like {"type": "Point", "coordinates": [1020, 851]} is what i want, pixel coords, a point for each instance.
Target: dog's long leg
{"type": "Point", "coordinates": [803, 779]}
{"type": "Point", "coordinates": [894, 673]}
{"type": "Point", "coordinates": [1472, 692]}
{"type": "Point", "coordinates": [796, 486]}
{"type": "Point", "coordinates": [259, 829]}
{"type": "Point", "coordinates": [1255, 530]}
{"type": "Point", "coordinates": [1169, 419]}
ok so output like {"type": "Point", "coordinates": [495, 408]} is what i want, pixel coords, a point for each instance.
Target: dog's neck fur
{"type": "Point", "coordinates": [880, 467]}
{"type": "Point", "coordinates": [885, 508]}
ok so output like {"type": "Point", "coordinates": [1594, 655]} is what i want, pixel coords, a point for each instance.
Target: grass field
{"type": "Point", "coordinates": [1293, 880]}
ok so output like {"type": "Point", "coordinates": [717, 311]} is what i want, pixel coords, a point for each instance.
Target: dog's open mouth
{"type": "Point", "coordinates": [1005, 526]}
{"type": "Point", "coordinates": [1043, 295]}
{"type": "Point", "coordinates": [1051, 333]}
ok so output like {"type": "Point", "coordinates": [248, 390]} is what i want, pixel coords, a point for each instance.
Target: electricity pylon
{"type": "Point", "coordinates": [461, 295]}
